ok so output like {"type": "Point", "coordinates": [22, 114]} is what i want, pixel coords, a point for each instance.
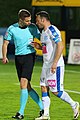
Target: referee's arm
{"type": "Point", "coordinates": [4, 51]}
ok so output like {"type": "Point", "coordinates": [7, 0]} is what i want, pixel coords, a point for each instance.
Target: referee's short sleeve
{"type": "Point", "coordinates": [8, 34]}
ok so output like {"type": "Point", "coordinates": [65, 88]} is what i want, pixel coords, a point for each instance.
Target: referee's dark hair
{"type": "Point", "coordinates": [43, 14]}
{"type": "Point", "coordinates": [23, 13]}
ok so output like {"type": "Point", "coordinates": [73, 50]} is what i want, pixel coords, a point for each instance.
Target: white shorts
{"type": "Point", "coordinates": [54, 81]}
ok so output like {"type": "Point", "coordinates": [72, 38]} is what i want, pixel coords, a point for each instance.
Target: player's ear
{"type": "Point", "coordinates": [42, 20]}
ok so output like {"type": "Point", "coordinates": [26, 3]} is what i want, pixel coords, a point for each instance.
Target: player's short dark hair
{"type": "Point", "coordinates": [23, 13]}
{"type": "Point", "coordinates": [43, 14]}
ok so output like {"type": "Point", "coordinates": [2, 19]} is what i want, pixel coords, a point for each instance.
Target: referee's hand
{"type": "Point", "coordinates": [36, 45]}
{"type": "Point", "coordinates": [5, 60]}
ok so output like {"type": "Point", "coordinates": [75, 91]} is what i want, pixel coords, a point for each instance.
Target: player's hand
{"type": "Point", "coordinates": [53, 67]}
{"type": "Point", "coordinates": [5, 60]}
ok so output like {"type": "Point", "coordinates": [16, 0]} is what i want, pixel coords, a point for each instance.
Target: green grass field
{"type": "Point", "coordinates": [10, 92]}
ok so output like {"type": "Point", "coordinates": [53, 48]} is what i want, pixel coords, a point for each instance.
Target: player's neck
{"type": "Point", "coordinates": [47, 24]}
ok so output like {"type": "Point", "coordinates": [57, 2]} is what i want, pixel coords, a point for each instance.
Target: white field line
{"type": "Point", "coordinates": [72, 91]}
{"type": "Point", "coordinates": [72, 71]}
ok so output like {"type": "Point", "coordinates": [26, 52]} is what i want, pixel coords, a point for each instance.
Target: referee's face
{"type": "Point", "coordinates": [27, 21]}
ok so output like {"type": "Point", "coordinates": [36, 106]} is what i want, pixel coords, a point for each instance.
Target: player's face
{"type": "Point", "coordinates": [39, 22]}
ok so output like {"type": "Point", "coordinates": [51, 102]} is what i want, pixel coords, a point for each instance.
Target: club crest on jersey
{"type": "Point", "coordinates": [52, 83]}
{"type": "Point", "coordinates": [45, 37]}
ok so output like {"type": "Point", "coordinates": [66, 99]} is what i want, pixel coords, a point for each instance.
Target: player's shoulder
{"type": "Point", "coordinates": [53, 29]}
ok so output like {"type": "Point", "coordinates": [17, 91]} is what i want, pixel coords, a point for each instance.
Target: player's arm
{"type": "Point", "coordinates": [56, 37]}
{"type": "Point", "coordinates": [59, 49]}
{"type": "Point", "coordinates": [4, 51]}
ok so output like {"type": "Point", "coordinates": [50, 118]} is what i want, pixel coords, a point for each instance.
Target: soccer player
{"type": "Point", "coordinates": [23, 33]}
{"type": "Point", "coordinates": [53, 65]}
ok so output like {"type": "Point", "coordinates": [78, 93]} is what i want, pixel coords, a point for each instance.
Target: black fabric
{"type": "Point", "coordinates": [24, 65]}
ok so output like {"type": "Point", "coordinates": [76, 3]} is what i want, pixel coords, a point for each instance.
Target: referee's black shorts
{"type": "Point", "coordinates": [24, 65]}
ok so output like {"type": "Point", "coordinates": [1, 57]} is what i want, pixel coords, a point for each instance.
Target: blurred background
{"type": "Point", "coordinates": [65, 14]}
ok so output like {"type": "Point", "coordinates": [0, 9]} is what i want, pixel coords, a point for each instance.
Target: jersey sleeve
{"type": "Point", "coordinates": [8, 34]}
{"type": "Point", "coordinates": [34, 31]}
{"type": "Point", "coordinates": [54, 34]}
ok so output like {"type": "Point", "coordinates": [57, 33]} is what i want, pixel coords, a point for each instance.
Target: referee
{"type": "Point", "coordinates": [23, 33]}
